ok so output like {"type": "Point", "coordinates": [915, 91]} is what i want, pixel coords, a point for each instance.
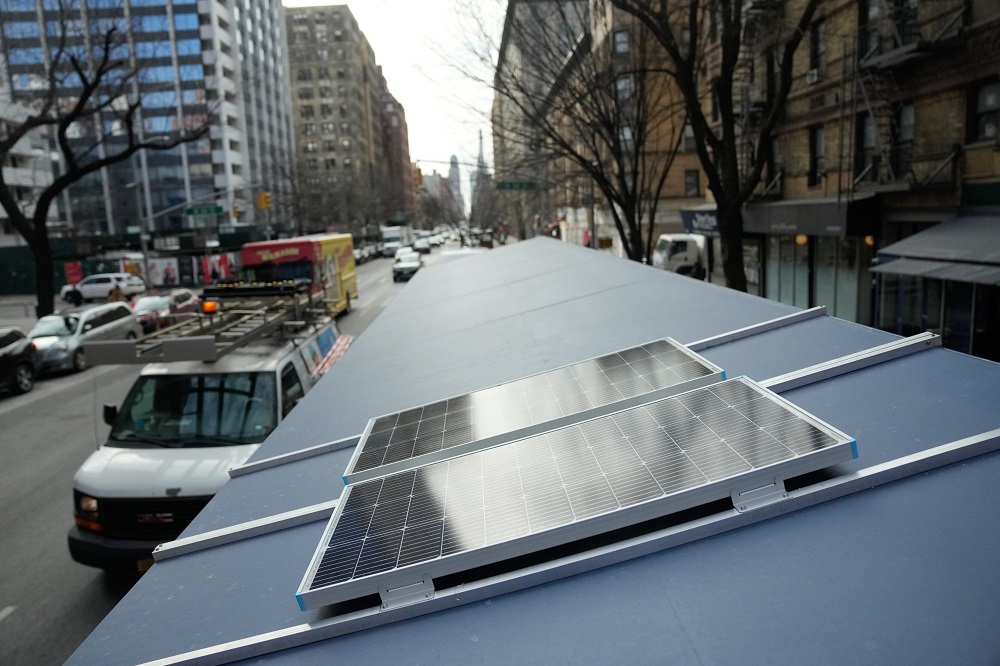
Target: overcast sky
{"type": "Point", "coordinates": [420, 45]}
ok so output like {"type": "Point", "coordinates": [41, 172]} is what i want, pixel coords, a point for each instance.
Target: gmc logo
{"type": "Point", "coordinates": [154, 518]}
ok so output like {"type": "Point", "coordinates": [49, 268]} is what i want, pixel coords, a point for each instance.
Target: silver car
{"type": "Point", "coordinates": [60, 337]}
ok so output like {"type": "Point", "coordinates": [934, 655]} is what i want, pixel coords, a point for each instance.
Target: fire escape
{"type": "Point", "coordinates": [876, 118]}
{"type": "Point", "coordinates": [754, 81]}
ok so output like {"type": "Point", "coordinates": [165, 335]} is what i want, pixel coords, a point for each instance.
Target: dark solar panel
{"type": "Point", "coordinates": [563, 485]}
{"type": "Point", "coordinates": [435, 430]}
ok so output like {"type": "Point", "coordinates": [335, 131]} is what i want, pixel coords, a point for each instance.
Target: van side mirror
{"type": "Point", "coordinates": [110, 414]}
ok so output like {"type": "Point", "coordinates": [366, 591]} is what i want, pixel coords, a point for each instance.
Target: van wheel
{"type": "Point", "coordinates": [24, 378]}
{"type": "Point", "coordinates": [79, 361]}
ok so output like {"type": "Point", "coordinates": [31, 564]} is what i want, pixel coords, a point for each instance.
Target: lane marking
{"type": "Point", "coordinates": [7, 612]}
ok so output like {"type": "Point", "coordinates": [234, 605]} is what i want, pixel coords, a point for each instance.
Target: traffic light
{"type": "Point", "coordinates": [236, 212]}
{"type": "Point", "coordinates": [418, 177]}
{"type": "Point", "coordinates": [263, 200]}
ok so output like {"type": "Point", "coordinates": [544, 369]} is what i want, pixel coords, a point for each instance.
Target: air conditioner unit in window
{"type": "Point", "coordinates": [812, 76]}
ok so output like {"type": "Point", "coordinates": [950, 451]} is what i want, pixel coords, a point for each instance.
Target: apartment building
{"type": "Point", "coordinates": [337, 94]}
{"type": "Point", "coordinates": [216, 63]}
{"type": "Point", "coordinates": [891, 129]}
{"type": "Point", "coordinates": [399, 170]}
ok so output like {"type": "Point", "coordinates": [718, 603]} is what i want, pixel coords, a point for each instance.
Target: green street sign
{"type": "Point", "coordinates": [203, 210]}
{"type": "Point", "coordinates": [515, 185]}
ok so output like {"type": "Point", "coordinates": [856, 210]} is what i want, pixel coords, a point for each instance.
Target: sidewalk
{"type": "Point", "coordinates": [19, 311]}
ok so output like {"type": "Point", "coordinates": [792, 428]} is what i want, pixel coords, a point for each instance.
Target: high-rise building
{"type": "Point", "coordinates": [339, 141]}
{"type": "Point", "coordinates": [221, 64]}
{"type": "Point", "coordinates": [27, 168]}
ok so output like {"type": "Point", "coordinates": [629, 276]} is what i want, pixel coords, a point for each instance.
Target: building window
{"type": "Point", "coordinates": [325, 91]}
{"type": "Point", "coordinates": [817, 155]}
{"type": "Point", "coordinates": [394, 121]}
{"type": "Point", "coordinates": [625, 88]}
{"type": "Point", "coordinates": [326, 110]}
{"type": "Point", "coordinates": [329, 146]}
{"type": "Point", "coordinates": [323, 73]}
{"type": "Point", "coordinates": [902, 141]}
{"type": "Point", "coordinates": [689, 146]}
{"type": "Point", "coordinates": [817, 47]}
{"type": "Point", "coordinates": [306, 112]}
{"type": "Point", "coordinates": [311, 147]}
{"type": "Point", "coordinates": [691, 185]}
{"type": "Point", "coordinates": [305, 93]}
{"type": "Point", "coordinates": [321, 35]}
{"type": "Point", "coordinates": [985, 123]}
{"type": "Point", "coordinates": [328, 128]}
{"type": "Point", "coordinates": [869, 38]}
{"type": "Point", "coordinates": [309, 128]}
{"type": "Point", "coordinates": [866, 166]}
{"type": "Point", "coordinates": [305, 74]}
{"type": "Point", "coordinates": [331, 162]}
{"type": "Point", "coordinates": [621, 41]}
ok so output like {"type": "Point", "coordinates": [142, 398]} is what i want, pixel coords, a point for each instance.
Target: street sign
{"type": "Point", "coordinates": [515, 185]}
{"type": "Point", "coordinates": [210, 209]}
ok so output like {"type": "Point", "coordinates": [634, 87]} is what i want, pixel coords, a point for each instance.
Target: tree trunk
{"type": "Point", "coordinates": [730, 221]}
{"type": "Point", "coordinates": [44, 287]}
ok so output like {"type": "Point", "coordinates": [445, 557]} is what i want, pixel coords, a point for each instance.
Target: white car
{"type": "Point", "coordinates": [98, 287]}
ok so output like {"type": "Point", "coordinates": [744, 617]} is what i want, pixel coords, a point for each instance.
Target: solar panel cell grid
{"type": "Point", "coordinates": [526, 402]}
{"type": "Point", "coordinates": [562, 477]}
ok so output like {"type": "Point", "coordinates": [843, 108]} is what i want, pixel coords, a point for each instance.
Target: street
{"type": "Point", "coordinates": [48, 602]}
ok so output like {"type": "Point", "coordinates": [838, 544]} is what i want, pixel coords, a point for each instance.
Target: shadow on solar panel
{"type": "Point", "coordinates": [553, 488]}
{"type": "Point", "coordinates": [480, 419]}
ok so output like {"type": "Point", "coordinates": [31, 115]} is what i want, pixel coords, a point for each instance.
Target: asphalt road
{"type": "Point", "coordinates": [48, 602]}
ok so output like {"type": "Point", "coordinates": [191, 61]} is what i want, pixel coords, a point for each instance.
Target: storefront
{"type": "Point", "coordinates": [818, 252]}
{"type": "Point", "coordinates": [945, 280]}
{"type": "Point", "coordinates": [702, 220]}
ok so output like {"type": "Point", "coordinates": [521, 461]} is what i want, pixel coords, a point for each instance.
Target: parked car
{"type": "Point", "coordinates": [405, 249]}
{"type": "Point", "coordinates": [99, 286]}
{"type": "Point", "coordinates": [161, 310]}
{"type": "Point", "coordinates": [18, 360]}
{"type": "Point", "coordinates": [60, 337]}
{"type": "Point", "coordinates": [406, 266]}
{"type": "Point", "coordinates": [422, 245]}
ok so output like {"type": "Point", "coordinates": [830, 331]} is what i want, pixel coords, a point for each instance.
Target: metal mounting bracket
{"type": "Point", "coordinates": [407, 594]}
{"type": "Point", "coordinates": [754, 498]}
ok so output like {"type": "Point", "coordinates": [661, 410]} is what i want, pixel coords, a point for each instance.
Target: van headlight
{"type": "Point", "coordinates": [87, 504]}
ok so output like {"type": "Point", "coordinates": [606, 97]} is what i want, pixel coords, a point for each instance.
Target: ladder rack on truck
{"type": "Point", "coordinates": [242, 313]}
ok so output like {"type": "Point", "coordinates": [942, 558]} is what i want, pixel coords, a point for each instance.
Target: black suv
{"type": "Point", "coordinates": [18, 360]}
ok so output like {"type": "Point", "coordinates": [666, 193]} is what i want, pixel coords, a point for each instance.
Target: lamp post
{"type": "Point", "coordinates": [144, 236]}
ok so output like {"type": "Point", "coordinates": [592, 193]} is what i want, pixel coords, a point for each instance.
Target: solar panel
{"type": "Point", "coordinates": [566, 484]}
{"type": "Point", "coordinates": [478, 420]}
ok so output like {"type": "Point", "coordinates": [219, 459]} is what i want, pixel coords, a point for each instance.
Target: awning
{"type": "Point", "coordinates": [956, 271]}
{"type": "Point", "coordinates": [972, 239]}
{"type": "Point", "coordinates": [963, 249]}
{"type": "Point", "coordinates": [814, 217]}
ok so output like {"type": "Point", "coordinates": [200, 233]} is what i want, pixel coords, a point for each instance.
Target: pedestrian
{"type": "Point", "coordinates": [116, 294]}
{"type": "Point", "coordinates": [76, 297]}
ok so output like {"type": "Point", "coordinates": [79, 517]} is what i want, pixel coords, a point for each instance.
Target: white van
{"type": "Point", "coordinates": [681, 253]}
{"type": "Point", "coordinates": [180, 429]}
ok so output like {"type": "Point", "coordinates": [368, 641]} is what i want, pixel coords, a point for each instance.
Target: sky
{"type": "Point", "coordinates": [423, 46]}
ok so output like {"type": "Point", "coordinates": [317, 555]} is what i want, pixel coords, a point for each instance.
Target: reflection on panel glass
{"type": "Point", "coordinates": [525, 402]}
{"type": "Point", "coordinates": [566, 477]}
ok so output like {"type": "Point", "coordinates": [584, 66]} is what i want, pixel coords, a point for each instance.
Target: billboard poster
{"type": "Point", "coordinates": [164, 272]}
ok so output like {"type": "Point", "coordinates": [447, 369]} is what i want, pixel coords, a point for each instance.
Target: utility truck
{"type": "Point", "coordinates": [395, 237]}
{"type": "Point", "coordinates": [213, 388]}
{"type": "Point", "coordinates": [686, 254]}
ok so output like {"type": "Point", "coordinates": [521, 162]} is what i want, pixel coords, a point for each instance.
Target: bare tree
{"type": "Point", "coordinates": [88, 100]}
{"type": "Point", "coordinates": [732, 135]}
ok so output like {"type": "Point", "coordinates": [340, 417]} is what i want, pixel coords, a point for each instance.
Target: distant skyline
{"type": "Point", "coordinates": [407, 39]}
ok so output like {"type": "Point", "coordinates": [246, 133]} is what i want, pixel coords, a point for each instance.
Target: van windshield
{"type": "Point", "coordinates": [197, 410]}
